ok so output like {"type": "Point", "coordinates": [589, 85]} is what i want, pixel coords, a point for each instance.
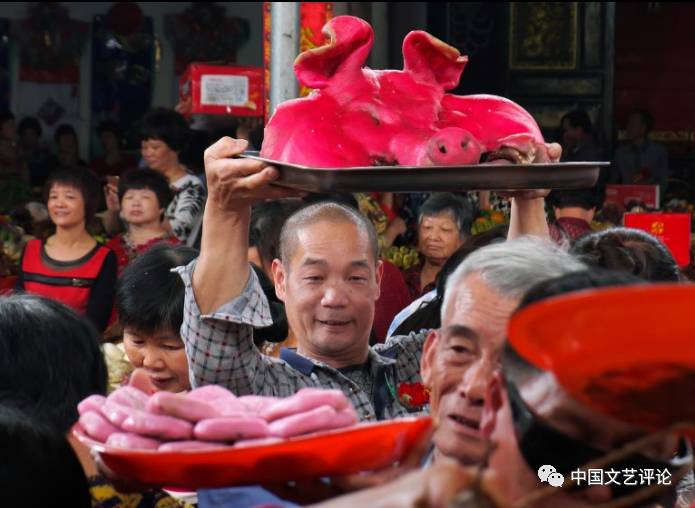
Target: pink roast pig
{"type": "Point", "coordinates": [361, 117]}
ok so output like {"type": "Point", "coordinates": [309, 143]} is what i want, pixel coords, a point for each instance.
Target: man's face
{"type": "Point", "coordinates": [555, 408]}
{"type": "Point", "coordinates": [459, 361]}
{"type": "Point", "coordinates": [329, 288]}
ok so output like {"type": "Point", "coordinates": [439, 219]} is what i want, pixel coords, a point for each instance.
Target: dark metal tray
{"type": "Point", "coordinates": [561, 175]}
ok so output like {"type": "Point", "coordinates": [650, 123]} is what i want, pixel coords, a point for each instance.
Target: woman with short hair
{"type": "Point", "coordinates": [70, 266]}
{"type": "Point", "coordinates": [163, 135]}
{"type": "Point", "coordinates": [143, 196]}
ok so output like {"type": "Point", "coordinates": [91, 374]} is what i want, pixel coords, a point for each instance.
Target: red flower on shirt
{"type": "Point", "coordinates": [413, 395]}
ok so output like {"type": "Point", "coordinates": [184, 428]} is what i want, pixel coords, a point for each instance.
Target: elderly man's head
{"type": "Point", "coordinates": [444, 222]}
{"type": "Point", "coordinates": [534, 422]}
{"type": "Point", "coordinates": [459, 360]}
{"type": "Point", "coordinates": [328, 276]}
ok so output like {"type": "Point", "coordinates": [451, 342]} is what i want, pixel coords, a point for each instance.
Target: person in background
{"type": "Point", "coordinates": [149, 300]}
{"type": "Point", "coordinates": [35, 455]}
{"type": "Point", "coordinates": [379, 209]}
{"type": "Point", "coordinates": [114, 162]}
{"type": "Point", "coordinates": [10, 162]}
{"type": "Point", "coordinates": [143, 197]}
{"type": "Point", "coordinates": [641, 160]}
{"type": "Point", "coordinates": [574, 210]}
{"type": "Point", "coordinates": [70, 266]}
{"type": "Point", "coordinates": [578, 143]}
{"type": "Point", "coordinates": [68, 146]}
{"type": "Point", "coordinates": [443, 225]}
{"type": "Point", "coordinates": [163, 134]}
{"type": "Point", "coordinates": [425, 312]}
{"type": "Point", "coordinates": [629, 250]}
{"type": "Point", "coordinates": [32, 152]}
{"type": "Point", "coordinates": [50, 360]}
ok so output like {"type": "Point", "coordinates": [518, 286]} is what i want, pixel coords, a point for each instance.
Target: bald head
{"type": "Point", "coordinates": [326, 212]}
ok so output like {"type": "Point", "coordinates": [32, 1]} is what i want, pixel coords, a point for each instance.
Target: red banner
{"type": "Point", "coordinates": [673, 229]}
{"type": "Point", "coordinates": [266, 58]}
{"type": "Point", "coordinates": [313, 16]}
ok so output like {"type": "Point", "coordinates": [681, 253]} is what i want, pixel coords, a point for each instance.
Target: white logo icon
{"type": "Point", "coordinates": [549, 474]}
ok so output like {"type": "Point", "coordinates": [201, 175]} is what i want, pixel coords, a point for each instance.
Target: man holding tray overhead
{"type": "Point", "coordinates": [328, 276]}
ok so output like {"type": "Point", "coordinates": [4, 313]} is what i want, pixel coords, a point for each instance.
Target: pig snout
{"type": "Point", "coordinates": [453, 145]}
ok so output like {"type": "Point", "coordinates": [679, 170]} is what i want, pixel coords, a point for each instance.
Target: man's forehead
{"type": "Point", "coordinates": [472, 299]}
{"type": "Point", "coordinates": [459, 331]}
{"type": "Point", "coordinates": [315, 241]}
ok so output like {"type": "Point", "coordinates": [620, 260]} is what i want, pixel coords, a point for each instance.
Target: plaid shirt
{"type": "Point", "coordinates": [220, 350]}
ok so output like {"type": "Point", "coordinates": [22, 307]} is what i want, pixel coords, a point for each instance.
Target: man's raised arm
{"type": "Point", "coordinates": [222, 270]}
{"type": "Point", "coordinates": [224, 301]}
{"type": "Point", "coordinates": [528, 207]}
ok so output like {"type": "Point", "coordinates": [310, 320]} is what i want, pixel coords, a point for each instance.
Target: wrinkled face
{"type": "Point", "coordinates": [438, 237]}
{"type": "Point", "coordinates": [158, 155]}
{"type": "Point", "coordinates": [555, 408]}
{"type": "Point", "coordinates": [66, 205]}
{"type": "Point", "coordinates": [459, 361]}
{"type": "Point", "coordinates": [140, 206]}
{"type": "Point", "coordinates": [635, 127]}
{"type": "Point", "coordinates": [163, 357]}
{"type": "Point", "coordinates": [329, 288]}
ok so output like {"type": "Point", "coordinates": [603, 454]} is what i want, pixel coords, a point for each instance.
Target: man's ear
{"type": "Point", "coordinates": [279, 278]}
{"type": "Point", "coordinates": [494, 400]}
{"type": "Point", "coordinates": [428, 358]}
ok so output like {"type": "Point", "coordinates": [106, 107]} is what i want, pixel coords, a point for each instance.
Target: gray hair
{"type": "Point", "coordinates": [459, 208]}
{"type": "Point", "coordinates": [513, 267]}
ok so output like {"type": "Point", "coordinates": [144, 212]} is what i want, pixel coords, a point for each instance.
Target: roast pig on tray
{"type": "Point", "coordinates": [357, 116]}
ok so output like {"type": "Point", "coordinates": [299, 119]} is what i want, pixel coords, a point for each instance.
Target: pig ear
{"type": "Point", "coordinates": [429, 60]}
{"type": "Point", "coordinates": [346, 52]}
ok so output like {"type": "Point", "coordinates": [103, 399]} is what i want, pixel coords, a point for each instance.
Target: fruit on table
{"type": "Point", "coordinates": [403, 257]}
{"type": "Point", "coordinates": [362, 117]}
{"type": "Point", "coordinates": [487, 221]}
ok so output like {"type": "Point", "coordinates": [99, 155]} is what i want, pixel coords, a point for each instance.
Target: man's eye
{"type": "Point", "coordinates": [313, 278]}
{"type": "Point", "coordinates": [358, 279]}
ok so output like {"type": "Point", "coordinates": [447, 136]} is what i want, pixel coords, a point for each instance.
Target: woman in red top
{"type": "Point", "coordinates": [143, 198]}
{"type": "Point", "coordinates": [70, 266]}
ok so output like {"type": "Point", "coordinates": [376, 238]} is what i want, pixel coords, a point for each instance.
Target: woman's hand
{"type": "Point", "coordinates": [111, 196]}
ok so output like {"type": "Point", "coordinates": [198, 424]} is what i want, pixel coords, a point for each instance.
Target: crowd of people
{"type": "Point", "coordinates": [222, 278]}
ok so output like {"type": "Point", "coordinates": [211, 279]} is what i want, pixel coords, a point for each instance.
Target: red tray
{"type": "Point", "coordinates": [627, 352]}
{"type": "Point", "coordinates": [364, 447]}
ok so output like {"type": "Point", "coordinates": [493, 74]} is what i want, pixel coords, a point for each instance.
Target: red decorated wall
{"type": "Point", "coordinates": [655, 65]}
